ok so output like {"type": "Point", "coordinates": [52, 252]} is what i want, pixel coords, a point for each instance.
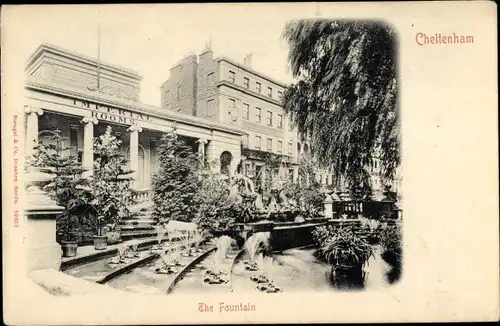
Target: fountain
{"type": "Point", "coordinates": [215, 275]}
{"type": "Point", "coordinates": [185, 231]}
{"type": "Point", "coordinates": [197, 237]}
{"type": "Point", "coordinates": [264, 281]}
{"type": "Point", "coordinates": [120, 257]}
{"type": "Point", "coordinates": [132, 251]}
{"type": "Point", "coordinates": [256, 243]}
{"type": "Point", "coordinates": [168, 264]}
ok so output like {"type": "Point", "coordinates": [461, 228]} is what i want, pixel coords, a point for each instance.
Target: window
{"type": "Point", "coordinates": [290, 146]}
{"type": "Point", "coordinates": [178, 93]}
{"type": "Point", "coordinates": [73, 141]}
{"type": "Point", "coordinates": [167, 97]}
{"type": "Point", "coordinates": [246, 111]}
{"type": "Point", "coordinates": [246, 83]}
{"type": "Point", "coordinates": [280, 95]}
{"type": "Point", "coordinates": [211, 79]}
{"type": "Point", "coordinates": [231, 76]}
{"type": "Point", "coordinates": [269, 118]}
{"type": "Point", "coordinates": [269, 144]}
{"type": "Point", "coordinates": [258, 117]}
{"type": "Point", "coordinates": [232, 103]}
{"type": "Point", "coordinates": [210, 107]}
{"type": "Point", "coordinates": [280, 121]}
{"type": "Point", "coordinates": [269, 92]}
{"type": "Point", "coordinates": [280, 147]}
{"type": "Point", "coordinates": [258, 86]}
{"type": "Point", "coordinates": [258, 141]}
{"type": "Point", "coordinates": [245, 140]}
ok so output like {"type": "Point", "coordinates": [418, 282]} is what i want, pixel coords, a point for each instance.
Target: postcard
{"type": "Point", "coordinates": [250, 163]}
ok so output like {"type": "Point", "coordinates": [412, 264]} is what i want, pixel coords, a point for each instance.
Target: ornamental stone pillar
{"type": "Point", "coordinates": [134, 150]}
{"type": "Point", "coordinates": [201, 149]}
{"type": "Point", "coordinates": [88, 144]}
{"type": "Point", "coordinates": [32, 115]}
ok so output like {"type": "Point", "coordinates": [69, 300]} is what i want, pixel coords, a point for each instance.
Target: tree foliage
{"type": "Point", "coordinates": [67, 187]}
{"type": "Point", "coordinates": [217, 208]}
{"type": "Point", "coordinates": [175, 185]}
{"type": "Point", "coordinates": [112, 180]}
{"type": "Point", "coordinates": [345, 99]}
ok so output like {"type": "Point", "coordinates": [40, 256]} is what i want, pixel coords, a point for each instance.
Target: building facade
{"type": "Point", "coordinates": [63, 93]}
{"type": "Point", "coordinates": [219, 89]}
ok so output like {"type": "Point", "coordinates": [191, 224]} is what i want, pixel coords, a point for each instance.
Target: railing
{"type": "Point", "coordinates": [143, 195]}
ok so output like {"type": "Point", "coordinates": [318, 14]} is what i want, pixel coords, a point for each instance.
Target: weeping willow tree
{"type": "Point", "coordinates": [345, 98]}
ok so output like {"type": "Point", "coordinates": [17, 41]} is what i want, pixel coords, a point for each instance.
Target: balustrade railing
{"type": "Point", "coordinates": [143, 195]}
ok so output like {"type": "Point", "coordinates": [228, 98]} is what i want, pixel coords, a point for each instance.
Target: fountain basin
{"type": "Point", "coordinates": [263, 226]}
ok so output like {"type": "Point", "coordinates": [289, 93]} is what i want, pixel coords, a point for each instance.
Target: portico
{"type": "Point", "coordinates": [62, 99]}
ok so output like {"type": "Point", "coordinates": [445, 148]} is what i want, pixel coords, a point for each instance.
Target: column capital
{"type": "Point", "coordinates": [134, 127]}
{"type": "Point", "coordinates": [89, 120]}
{"type": "Point", "coordinates": [202, 141]}
{"type": "Point", "coordinates": [29, 109]}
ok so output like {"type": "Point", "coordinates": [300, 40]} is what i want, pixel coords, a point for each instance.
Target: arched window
{"type": "Point", "coordinates": [141, 165]}
{"type": "Point", "coordinates": [225, 163]}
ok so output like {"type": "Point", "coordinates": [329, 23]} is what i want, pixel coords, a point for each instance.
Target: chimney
{"type": "Point", "coordinates": [248, 61]}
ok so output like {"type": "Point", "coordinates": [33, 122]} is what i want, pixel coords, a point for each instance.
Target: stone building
{"type": "Point", "coordinates": [221, 90]}
{"type": "Point", "coordinates": [62, 93]}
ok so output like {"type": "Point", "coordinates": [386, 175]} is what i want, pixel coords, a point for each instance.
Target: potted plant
{"type": "Point", "coordinates": [100, 240]}
{"type": "Point", "coordinates": [392, 245]}
{"type": "Point", "coordinates": [348, 253]}
{"type": "Point", "coordinates": [112, 187]}
{"type": "Point", "coordinates": [68, 187]}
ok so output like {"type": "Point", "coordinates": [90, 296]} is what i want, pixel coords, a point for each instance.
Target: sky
{"type": "Point", "coordinates": [150, 39]}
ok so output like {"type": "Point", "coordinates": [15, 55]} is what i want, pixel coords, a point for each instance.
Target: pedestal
{"type": "Point", "coordinates": [40, 210]}
{"type": "Point", "coordinates": [42, 249]}
{"type": "Point", "coordinates": [328, 207]}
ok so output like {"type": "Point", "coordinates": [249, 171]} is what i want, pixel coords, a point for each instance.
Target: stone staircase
{"type": "Point", "coordinates": [141, 225]}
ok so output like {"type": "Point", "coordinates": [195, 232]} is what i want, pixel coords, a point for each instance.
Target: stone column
{"type": "Point", "coordinates": [213, 156]}
{"type": "Point", "coordinates": [32, 128]}
{"type": "Point", "coordinates": [134, 149]}
{"type": "Point", "coordinates": [88, 144]}
{"type": "Point", "coordinates": [296, 174]}
{"type": "Point", "coordinates": [201, 149]}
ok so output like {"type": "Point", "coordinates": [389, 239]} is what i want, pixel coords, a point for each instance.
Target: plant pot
{"type": "Point", "coordinates": [347, 277]}
{"type": "Point", "coordinates": [372, 239]}
{"type": "Point", "coordinates": [100, 242]}
{"type": "Point", "coordinates": [69, 248]}
{"type": "Point", "coordinates": [390, 258]}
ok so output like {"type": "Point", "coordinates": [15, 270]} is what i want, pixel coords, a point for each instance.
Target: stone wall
{"type": "Point", "coordinates": [179, 91]}
{"type": "Point", "coordinates": [207, 100]}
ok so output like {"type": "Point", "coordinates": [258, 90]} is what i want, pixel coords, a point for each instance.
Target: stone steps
{"type": "Point", "coordinates": [134, 234]}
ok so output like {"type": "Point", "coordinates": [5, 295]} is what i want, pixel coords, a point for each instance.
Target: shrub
{"type": "Point", "coordinates": [112, 181]}
{"type": "Point", "coordinates": [347, 248]}
{"type": "Point", "coordinates": [67, 187]}
{"type": "Point", "coordinates": [175, 184]}
{"type": "Point", "coordinates": [392, 243]}
{"type": "Point", "coordinates": [343, 247]}
{"type": "Point", "coordinates": [309, 198]}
